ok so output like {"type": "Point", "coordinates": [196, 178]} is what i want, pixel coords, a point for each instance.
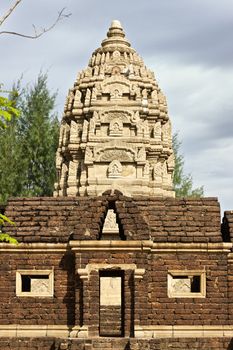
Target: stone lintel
{"type": "Point", "coordinates": [34, 247]}
{"type": "Point", "coordinates": [146, 245]}
{"type": "Point", "coordinates": [167, 331]}
{"type": "Point", "coordinates": [31, 331]}
{"type": "Point", "coordinates": [184, 331]}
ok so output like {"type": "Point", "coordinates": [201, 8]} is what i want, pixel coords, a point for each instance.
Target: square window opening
{"type": "Point", "coordinates": [188, 284]}
{"type": "Point", "coordinates": [36, 283]}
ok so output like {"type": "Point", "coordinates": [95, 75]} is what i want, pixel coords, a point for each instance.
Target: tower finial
{"type": "Point", "coordinates": [116, 24]}
{"type": "Point", "coordinates": [115, 36]}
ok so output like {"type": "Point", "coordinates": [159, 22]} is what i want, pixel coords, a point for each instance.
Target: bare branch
{"type": "Point", "coordinates": [37, 34]}
{"type": "Point", "coordinates": [9, 12]}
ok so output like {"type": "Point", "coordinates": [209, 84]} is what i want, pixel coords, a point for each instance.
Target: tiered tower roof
{"type": "Point", "coordinates": [115, 132]}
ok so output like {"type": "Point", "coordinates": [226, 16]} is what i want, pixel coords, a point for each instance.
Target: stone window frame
{"type": "Point", "coordinates": [173, 273]}
{"type": "Point", "coordinates": [20, 273]}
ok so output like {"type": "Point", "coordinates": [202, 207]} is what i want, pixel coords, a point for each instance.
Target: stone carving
{"type": "Point", "coordinates": [88, 72]}
{"type": "Point", "coordinates": [58, 160]}
{"type": "Point", "coordinates": [116, 70]}
{"type": "Point", "coordinates": [122, 155]}
{"type": "Point", "coordinates": [98, 58]}
{"type": "Point", "coordinates": [96, 70]}
{"type": "Point", "coordinates": [70, 100]}
{"type": "Point", "coordinates": [141, 156]}
{"type": "Point", "coordinates": [143, 72]}
{"type": "Point", "coordinates": [146, 171]}
{"type": "Point", "coordinates": [107, 57]}
{"type": "Point", "coordinates": [74, 129]}
{"type": "Point", "coordinates": [94, 94]}
{"type": "Point", "coordinates": [171, 162]}
{"type": "Point", "coordinates": [73, 168]}
{"type": "Point", "coordinates": [128, 70]}
{"type": "Point", "coordinates": [77, 98]}
{"type": "Point", "coordinates": [157, 171]}
{"type": "Point", "coordinates": [145, 128]}
{"type": "Point", "coordinates": [88, 97]}
{"type": "Point", "coordinates": [144, 94]}
{"type": "Point", "coordinates": [157, 131]}
{"type": "Point", "coordinates": [154, 96]}
{"type": "Point", "coordinates": [116, 54]}
{"type": "Point", "coordinates": [110, 115]}
{"type": "Point", "coordinates": [88, 155]}
{"type": "Point", "coordinates": [144, 98]}
{"type": "Point", "coordinates": [66, 135]}
{"type": "Point", "coordinates": [166, 132]}
{"type": "Point", "coordinates": [102, 71]}
{"type": "Point", "coordinates": [115, 169]}
{"type": "Point", "coordinates": [136, 70]}
{"type": "Point", "coordinates": [180, 285]}
{"type": "Point", "coordinates": [110, 223]}
{"type": "Point", "coordinates": [116, 127]}
{"type": "Point", "coordinates": [85, 129]}
{"type": "Point", "coordinates": [95, 120]}
{"type": "Point", "coordinates": [102, 58]}
{"type": "Point", "coordinates": [93, 60]}
{"type": "Point", "coordinates": [115, 111]}
{"type": "Point", "coordinates": [135, 117]}
{"type": "Point", "coordinates": [40, 285]}
{"type": "Point", "coordinates": [61, 135]}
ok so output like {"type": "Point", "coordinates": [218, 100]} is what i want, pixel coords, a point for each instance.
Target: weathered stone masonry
{"type": "Point", "coordinates": [113, 261]}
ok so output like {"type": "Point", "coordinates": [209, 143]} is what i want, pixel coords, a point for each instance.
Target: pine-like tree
{"type": "Point", "coordinates": [28, 144]}
{"type": "Point", "coordinates": [183, 184]}
{"type": "Point", "coordinates": [38, 128]}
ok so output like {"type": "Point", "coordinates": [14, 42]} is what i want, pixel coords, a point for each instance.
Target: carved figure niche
{"type": "Point", "coordinates": [114, 169]}
{"type": "Point", "coordinates": [116, 127]}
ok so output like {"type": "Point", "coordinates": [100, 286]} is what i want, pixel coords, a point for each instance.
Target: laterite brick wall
{"type": "Point", "coordinates": [117, 344]}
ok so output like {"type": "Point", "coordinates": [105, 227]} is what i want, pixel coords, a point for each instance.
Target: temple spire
{"type": "Point", "coordinates": [115, 133]}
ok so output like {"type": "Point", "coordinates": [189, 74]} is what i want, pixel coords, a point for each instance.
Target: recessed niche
{"type": "Point", "coordinates": [35, 283]}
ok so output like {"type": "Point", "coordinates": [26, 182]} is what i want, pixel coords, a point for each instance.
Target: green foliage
{"type": "Point", "coordinates": [5, 237]}
{"type": "Point", "coordinates": [7, 110]}
{"type": "Point", "coordinates": [183, 184]}
{"type": "Point", "coordinates": [4, 219]}
{"type": "Point", "coordinates": [28, 144]}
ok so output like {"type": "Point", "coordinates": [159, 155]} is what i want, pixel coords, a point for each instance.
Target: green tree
{"type": "Point", "coordinates": [38, 130]}
{"type": "Point", "coordinates": [183, 184]}
{"type": "Point", "coordinates": [7, 114]}
{"type": "Point", "coordinates": [28, 144]}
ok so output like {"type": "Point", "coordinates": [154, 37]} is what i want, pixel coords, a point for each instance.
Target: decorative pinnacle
{"type": "Point", "coordinates": [115, 36]}
{"type": "Point", "coordinates": [116, 24]}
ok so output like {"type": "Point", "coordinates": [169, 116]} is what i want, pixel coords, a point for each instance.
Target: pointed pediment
{"type": "Point", "coordinates": [110, 224]}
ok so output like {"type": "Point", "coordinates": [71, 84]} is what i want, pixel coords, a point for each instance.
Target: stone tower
{"type": "Point", "coordinates": [115, 132]}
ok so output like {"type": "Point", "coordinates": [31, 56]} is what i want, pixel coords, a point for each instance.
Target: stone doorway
{"type": "Point", "coordinates": [111, 309]}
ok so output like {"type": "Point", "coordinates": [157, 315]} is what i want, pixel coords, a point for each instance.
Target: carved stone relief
{"type": "Point", "coordinates": [115, 169]}
{"type": "Point", "coordinates": [40, 286]}
{"type": "Point", "coordinates": [157, 171]}
{"type": "Point", "coordinates": [116, 127]}
{"type": "Point", "coordinates": [157, 131]}
{"type": "Point", "coordinates": [88, 156]}
{"type": "Point", "coordinates": [141, 156]}
{"type": "Point", "coordinates": [111, 154]}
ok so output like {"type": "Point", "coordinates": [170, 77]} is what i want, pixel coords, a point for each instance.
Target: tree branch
{"type": "Point", "coordinates": [9, 12]}
{"type": "Point", "coordinates": [37, 34]}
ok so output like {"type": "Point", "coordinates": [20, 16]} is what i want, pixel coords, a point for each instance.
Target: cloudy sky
{"type": "Point", "coordinates": [187, 43]}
